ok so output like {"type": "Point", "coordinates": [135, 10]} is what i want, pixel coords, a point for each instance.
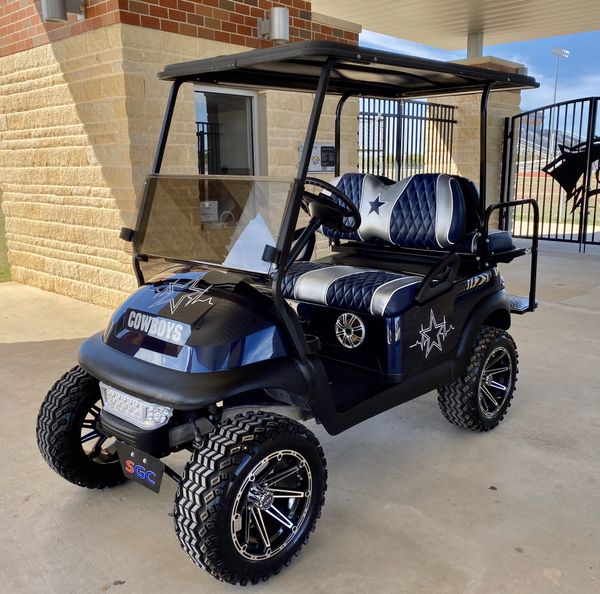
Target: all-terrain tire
{"type": "Point", "coordinates": [206, 498]}
{"type": "Point", "coordinates": [460, 401]}
{"type": "Point", "coordinates": [59, 427]}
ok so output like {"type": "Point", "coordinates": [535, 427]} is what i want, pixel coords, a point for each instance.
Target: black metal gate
{"type": "Point", "coordinates": [401, 138]}
{"type": "Point", "coordinates": [551, 155]}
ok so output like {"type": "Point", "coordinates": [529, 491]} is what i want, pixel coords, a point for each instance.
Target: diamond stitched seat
{"type": "Point", "coordinates": [426, 210]}
{"type": "Point", "coordinates": [363, 290]}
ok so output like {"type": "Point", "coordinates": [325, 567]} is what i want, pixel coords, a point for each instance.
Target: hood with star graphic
{"type": "Point", "coordinates": [197, 321]}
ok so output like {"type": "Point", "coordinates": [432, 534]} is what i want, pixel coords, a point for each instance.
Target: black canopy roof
{"type": "Point", "coordinates": [358, 71]}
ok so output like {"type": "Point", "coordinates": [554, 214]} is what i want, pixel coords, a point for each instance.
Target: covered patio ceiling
{"type": "Point", "coordinates": [448, 23]}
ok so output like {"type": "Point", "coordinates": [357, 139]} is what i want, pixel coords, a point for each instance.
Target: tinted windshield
{"type": "Point", "coordinates": [226, 221]}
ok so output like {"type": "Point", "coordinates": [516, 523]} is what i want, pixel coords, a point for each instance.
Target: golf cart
{"type": "Point", "coordinates": [240, 334]}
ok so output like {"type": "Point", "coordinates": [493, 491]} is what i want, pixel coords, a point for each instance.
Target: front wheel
{"type": "Point", "coordinates": [250, 497]}
{"type": "Point", "coordinates": [480, 398]}
{"type": "Point", "coordinates": [67, 433]}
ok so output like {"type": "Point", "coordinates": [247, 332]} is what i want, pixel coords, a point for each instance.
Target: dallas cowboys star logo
{"type": "Point", "coordinates": [376, 205]}
{"type": "Point", "coordinates": [434, 336]}
{"type": "Point", "coordinates": [181, 292]}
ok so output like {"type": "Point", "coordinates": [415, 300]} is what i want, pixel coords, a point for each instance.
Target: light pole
{"type": "Point", "coordinates": [559, 53]}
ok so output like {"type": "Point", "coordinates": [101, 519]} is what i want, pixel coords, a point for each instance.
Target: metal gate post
{"type": "Point", "coordinates": [505, 185]}
{"type": "Point", "coordinates": [399, 133]}
{"type": "Point", "coordinates": [583, 216]}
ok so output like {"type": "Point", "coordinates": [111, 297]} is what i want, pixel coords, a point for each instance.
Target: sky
{"type": "Point", "coordinates": [579, 74]}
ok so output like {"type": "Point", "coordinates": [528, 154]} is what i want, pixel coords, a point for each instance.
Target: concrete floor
{"type": "Point", "coordinates": [414, 504]}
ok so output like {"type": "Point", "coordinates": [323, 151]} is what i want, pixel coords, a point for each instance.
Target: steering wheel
{"type": "Point", "coordinates": [327, 210]}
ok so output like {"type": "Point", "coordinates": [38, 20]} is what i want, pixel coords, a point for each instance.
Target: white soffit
{"type": "Point", "coordinates": [447, 23]}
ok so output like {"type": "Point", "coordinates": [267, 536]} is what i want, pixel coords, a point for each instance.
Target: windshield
{"type": "Point", "coordinates": [225, 221]}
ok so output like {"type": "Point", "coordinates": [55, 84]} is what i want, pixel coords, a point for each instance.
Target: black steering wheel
{"type": "Point", "coordinates": [327, 210]}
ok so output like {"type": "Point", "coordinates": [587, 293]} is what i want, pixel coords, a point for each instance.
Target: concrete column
{"type": "Point", "coordinates": [475, 45]}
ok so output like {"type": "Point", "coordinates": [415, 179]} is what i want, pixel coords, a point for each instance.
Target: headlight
{"type": "Point", "coordinates": [144, 415]}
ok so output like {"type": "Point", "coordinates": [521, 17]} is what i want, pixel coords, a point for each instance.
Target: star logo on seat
{"type": "Point", "coordinates": [434, 335]}
{"type": "Point", "coordinates": [376, 205]}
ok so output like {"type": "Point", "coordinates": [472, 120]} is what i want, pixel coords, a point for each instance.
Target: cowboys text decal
{"type": "Point", "coordinates": [160, 328]}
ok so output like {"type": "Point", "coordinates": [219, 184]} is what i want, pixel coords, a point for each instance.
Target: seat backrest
{"type": "Point", "coordinates": [426, 210]}
{"type": "Point", "coordinates": [352, 185]}
{"type": "Point", "coordinates": [472, 203]}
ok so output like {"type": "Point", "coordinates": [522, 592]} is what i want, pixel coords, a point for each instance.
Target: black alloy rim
{"type": "Point", "coordinates": [496, 382]}
{"type": "Point", "coordinates": [271, 506]}
{"type": "Point", "coordinates": [98, 448]}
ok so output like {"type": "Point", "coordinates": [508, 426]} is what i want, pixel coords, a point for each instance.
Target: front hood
{"type": "Point", "coordinates": [197, 321]}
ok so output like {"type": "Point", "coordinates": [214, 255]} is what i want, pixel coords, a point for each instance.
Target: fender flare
{"type": "Point", "coordinates": [494, 307]}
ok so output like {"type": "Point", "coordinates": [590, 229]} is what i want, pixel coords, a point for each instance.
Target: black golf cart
{"type": "Point", "coordinates": [240, 333]}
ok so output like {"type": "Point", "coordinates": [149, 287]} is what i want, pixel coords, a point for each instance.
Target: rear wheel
{"type": "Point", "coordinates": [250, 497]}
{"type": "Point", "coordinates": [67, 433]}
{"type": "Point", "coordinates": [480, 398]}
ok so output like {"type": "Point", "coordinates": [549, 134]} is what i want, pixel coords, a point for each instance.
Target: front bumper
{"type": "Point", "coordinates": [181, 390]}
{"type": "Point", "coordinates": [155, 441]}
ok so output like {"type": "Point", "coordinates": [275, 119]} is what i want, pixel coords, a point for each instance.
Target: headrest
{"type": "Point", "coordinates": [426, 210]}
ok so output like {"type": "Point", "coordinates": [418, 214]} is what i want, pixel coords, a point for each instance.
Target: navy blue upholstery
{"type": "Point", "coordinates": [421, 211]}
{"type": "Point", "coordinates": [413, 221]}
{"type": "Point", "coordinates": [355, 292]}
{"type": "Point", "coordinates": [295, 271]}
{"type": "Point", "coordinates": [356, 289]}
{"type": "Point", "coordinates": [427, 211]}
{"type": "Point", "coordinates": [351, 185]}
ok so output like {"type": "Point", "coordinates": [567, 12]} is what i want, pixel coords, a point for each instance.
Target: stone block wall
{"type": "Point", "coordinates": [63, 165]}
{"type": "Point", "coordinates": [79, 120]}
{"type": "Point", "coordinates": [466, 133]}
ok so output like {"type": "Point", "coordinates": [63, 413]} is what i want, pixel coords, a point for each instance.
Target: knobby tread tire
{"type": "Point", "coordinates": [59, 429]}
{"type": "Point", "coordinates": [207, 487]}
{"type": "Point", "coordinates": [458, 400]}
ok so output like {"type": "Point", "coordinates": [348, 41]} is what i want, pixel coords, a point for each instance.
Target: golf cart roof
{"type": "Point", "coordinates": [358, 71]}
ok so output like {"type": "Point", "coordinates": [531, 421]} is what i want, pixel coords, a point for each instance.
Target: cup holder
{"type": "Point", "coordinates": [314, 342]}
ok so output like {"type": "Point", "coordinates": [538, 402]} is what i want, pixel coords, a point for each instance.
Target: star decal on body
{"type": "Point", "coordinates": [376, 204]}
{"type": "Point", "coordinates": [181, 292]}
{"type": "Point", "coordinates": [434, 336]}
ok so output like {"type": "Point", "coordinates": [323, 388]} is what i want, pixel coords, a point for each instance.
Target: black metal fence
{"type": "Point", "coordinates": [551, 154]}
{"type": "Point", "coordinates": [401, 138]}
{"type": "Point", "coordinates": [207, 137]}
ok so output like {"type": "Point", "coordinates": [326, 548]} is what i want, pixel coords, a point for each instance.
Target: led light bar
{"type": "Point", "coordinates": [144, 415]}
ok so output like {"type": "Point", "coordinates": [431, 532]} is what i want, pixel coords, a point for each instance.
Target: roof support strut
{"type": "Point", "coordinates": [164, 132]}
{"type": "Point", "coordinates": [338, 132]}
{"type": "Point", "coordinates": [483, 121]}
{"type": "Point", "coordinates": [294, 332]}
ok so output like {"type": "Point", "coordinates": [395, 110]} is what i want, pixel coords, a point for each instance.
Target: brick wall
{"type": "Point", "coordinates": [21, 26]}
{"type": "Point", "coordinates": [228, 21]}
